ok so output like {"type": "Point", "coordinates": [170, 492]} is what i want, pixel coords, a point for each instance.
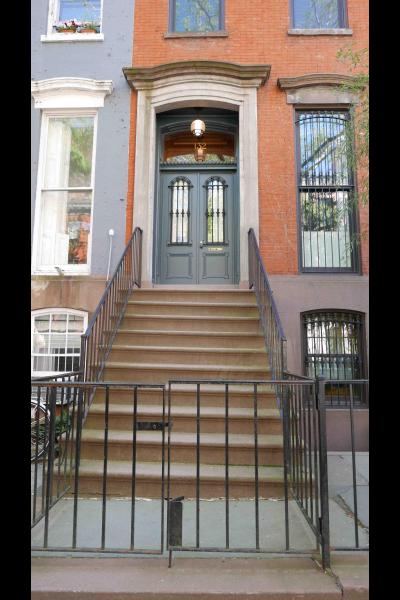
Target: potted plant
{"type": "Point", "coordinates": [67, 26]}
{"type": "Point", "coordinates": [89, 27]}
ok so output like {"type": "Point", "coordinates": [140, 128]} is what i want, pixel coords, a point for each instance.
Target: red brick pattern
{"type": "Point", "coordinates": [257, 33]}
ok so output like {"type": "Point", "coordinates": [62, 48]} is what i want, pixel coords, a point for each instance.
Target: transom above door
{"type": "Point", "coordinates": [198, 241]}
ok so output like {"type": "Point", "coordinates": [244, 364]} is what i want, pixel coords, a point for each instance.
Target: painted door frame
{"type": "Point", "coordinates": [226, 123]}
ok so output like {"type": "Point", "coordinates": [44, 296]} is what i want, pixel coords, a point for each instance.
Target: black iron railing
{"type": "Point", "coordinates": [97, 341]}
{"type": "Point", "coordinates": [93, 519]}
{"type": "Point", "coordinates": [275, 339]}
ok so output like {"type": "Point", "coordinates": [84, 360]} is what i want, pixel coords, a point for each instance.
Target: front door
{"type": "Point", "coordinates": [197, 242]}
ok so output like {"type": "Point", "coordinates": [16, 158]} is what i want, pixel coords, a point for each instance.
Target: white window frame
{"type": "Point", "coordinates": [53, 311]}
{"type": "Point", "coordinates": [52, 36]}
{"type": "Point", "coordinates": [66, 97]}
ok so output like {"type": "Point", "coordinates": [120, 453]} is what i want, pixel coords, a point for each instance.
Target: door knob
{"type": "Point", "coordinates": [201, 243]}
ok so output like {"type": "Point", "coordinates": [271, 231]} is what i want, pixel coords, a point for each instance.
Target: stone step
{"type": "Point", "coordinates": [199, 338]}
{"type": "Point", "coordinates": [180, 322]}
{"type": "Point", "coordinates": [185, 395]}
{"type": "Point", "coordinates": [183, 447]}
{"type": "Point", "coordinates": [212, 419]}
{"type": "Point", "coordinates": [161, 373]}
{"type": "Point", "coordinates": [183, 480]}
{"type": "Point", "coordinates": [197, 309]}
{"type": "Point", "coordinates": [186, 295]}
{"type": "Point", "coordinates": [187, 356]}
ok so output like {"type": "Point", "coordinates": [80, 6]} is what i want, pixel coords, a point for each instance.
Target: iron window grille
{"type": "Point", "coordinates": [319, 14]}
{"type": "Point", "coordinates": [215, 210]}
{"type": "Point", "coordinates": [197, 16]}
{"type": "Point", "coordinates": [334, 348]}
{"type": "Point", "coordinates": [326, 192]}
{"type": "Point", "coordinates": [180, 211]}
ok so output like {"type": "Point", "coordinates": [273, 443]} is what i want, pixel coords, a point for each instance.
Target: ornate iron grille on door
{"type": "Point", "coordinates": [334, 349]}
{"type": "Point", "coordinates": [180, 211]}
{"type": "Point", "coordinates": [215, 210]}
{"type": "Point", "coordinates": [326, 191]}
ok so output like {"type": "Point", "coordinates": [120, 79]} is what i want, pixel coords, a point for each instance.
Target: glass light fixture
{"type": "Point", "coordinates": [200, 152]}
{"type": "Point", "coordinates": [197, 127]}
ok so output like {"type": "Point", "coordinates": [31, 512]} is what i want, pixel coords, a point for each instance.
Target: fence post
{"type": "Point", "coordinates": [323, 473]}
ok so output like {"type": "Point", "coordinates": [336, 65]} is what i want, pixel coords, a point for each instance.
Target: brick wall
{"type": "Point", "coordinates": [257, 33]}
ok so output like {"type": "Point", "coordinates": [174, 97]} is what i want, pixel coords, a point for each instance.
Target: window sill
{"type": "Point", "coordinates": [66, 272]}
{"type": "Point", "coordinates": [72, 37]}
{"type": "Point", "coordinates": [195, 34]}
{"type": "Point", "coordinates": [320, 32]}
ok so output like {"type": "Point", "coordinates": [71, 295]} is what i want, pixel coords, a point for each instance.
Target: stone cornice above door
{"type": "Point", "coordinates": [142, 78]}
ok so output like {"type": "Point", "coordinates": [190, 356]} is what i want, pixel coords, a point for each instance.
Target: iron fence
{"type": "Point", "coordinates": [63, 470]}
{"type": "Point", "coordinates": [275, 339]}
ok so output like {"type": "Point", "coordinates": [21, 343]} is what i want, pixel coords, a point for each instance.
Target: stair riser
{"type": "Point", "coordinates": [188, 357]}
{"type": "Point", "coordinates": [192, 311]}
{"type": "Point", "coordinates": [183, 454]}
{"type": "Point", "coordinates": [152, 489]}
{"type": "Point", "coordinates": [203, 340]}
{"type": "Point", "coordinates": [188, 399]}
{"type": "Point", "coordinates": [162, 376]}
{"type": "Point", "coordinates": [188, 424]}
{"type": "Point", "coordinates": [156, 295]}
{"type": "Point", "coordinates": [177, 324]}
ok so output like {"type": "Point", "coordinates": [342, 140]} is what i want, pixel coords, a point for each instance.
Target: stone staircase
{"type": "Point", "coordinates": [186, 334]}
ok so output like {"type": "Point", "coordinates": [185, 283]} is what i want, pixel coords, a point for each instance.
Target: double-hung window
{"type": "Point", "coordinates": [328, 224]}
{"type": "Point", "coordinates": [319, 14]}
{"type": "Point", "coordinates": [64, 223]}
{"type": "Point", "coordinates": [196, 15]}
{"type": "Point", "coordinates": [74, 17]}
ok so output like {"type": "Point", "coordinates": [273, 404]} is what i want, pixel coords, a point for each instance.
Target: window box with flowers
{"type": "Point", "coordinates": [74, 17]}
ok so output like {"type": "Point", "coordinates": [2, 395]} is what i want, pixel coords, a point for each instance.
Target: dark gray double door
{"type": "Point", "coordinates": [198, 240]}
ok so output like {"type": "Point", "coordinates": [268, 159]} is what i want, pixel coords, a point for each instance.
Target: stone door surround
{"type": "Point", "coordinates": [195, 83]}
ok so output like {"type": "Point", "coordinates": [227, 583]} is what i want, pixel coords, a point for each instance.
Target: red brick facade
{"type": "Point", "coordinates": [257, 32]}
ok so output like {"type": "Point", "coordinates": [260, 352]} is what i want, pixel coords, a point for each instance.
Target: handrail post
{"type": "Point", "coordinates": [323, 473]}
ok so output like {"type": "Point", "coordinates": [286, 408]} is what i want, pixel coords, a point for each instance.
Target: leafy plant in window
{"type": "Point", "coordinates": [79, 16]}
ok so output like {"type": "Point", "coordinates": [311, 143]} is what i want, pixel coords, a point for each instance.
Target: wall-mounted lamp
{"type": "Point", "coordinates": [197, 127]}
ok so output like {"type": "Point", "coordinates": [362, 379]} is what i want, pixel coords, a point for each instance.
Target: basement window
{"type": "Point", "coordinates": [56, 340]}
{"type": "Point", "coordinates": [198, 16]}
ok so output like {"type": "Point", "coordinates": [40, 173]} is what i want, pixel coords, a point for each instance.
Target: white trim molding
{"type": "Point", "coordinates": [72, 37]}
{"type": "Point", "coordinates": [70, 92]}
{"type": "Point", "coordinates": [195, 84]}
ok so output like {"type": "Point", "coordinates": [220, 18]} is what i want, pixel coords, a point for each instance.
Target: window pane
{"type": "Point", "coordinates": [65, 228]}
{"type": "Point", "coordinates": [215, 211]}
{"type": "Point", "coordinates": [180, 212]}
{"type": "Point", "coordinates": [316, 14]}
{"type": "Point", "coordinates": [81, 10]}
{"type": "Point", "coordinates": [69, 152]}
{"type": "Point", "coordinates": [197, 15]}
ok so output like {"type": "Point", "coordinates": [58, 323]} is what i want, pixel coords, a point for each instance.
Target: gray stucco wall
{"type": "Point", "coordinates": [295, 294]}
{"type": "Point", "coordinates": [97, 60]}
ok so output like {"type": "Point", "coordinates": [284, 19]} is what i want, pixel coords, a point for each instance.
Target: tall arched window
{"type": "Point", "coordinates": [215, 210]}
{"type": "Point", "coordinates": [56, 340]}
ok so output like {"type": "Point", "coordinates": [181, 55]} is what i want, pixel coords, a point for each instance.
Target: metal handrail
{"type": "Point", "coordinates": [97, 341]}
{"type": "Point", "coordinates": [274, 336]}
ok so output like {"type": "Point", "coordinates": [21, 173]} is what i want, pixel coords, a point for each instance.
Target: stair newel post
{"type": "Point", "coordinates": [323, 473]}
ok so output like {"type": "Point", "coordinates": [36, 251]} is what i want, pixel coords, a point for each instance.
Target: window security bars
{"type": "Point", "coordinates": [97, 341]}
{"type": "Point", "coordinates": [180, 211]}
{"type": "Point", "coordinates": [59, 472]}
{"type": "Point", "coordinates": [196, 15]}
{"type": "Point", "coordinates": [274, 337]}
{"type": "Point", "coordinates": [318, 14]}
{"type": "Point", "coordinates": [334, 349]}
{"type": "Point", "coordinates": [215, 210]}
{"type": "Point", "coordinates": [327, 205]}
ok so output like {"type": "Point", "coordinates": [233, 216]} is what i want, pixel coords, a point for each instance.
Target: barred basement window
{"type": "Point", "coordinates": [56, 340]}
{"type": "Point", "coordinates": [326, 192]}
{"type": "Point", "coordinates": [215, 210]}
{"type": "Point", "coordinates": [180, 211]}
{"type": "Point", "coordinates": [334, 349]}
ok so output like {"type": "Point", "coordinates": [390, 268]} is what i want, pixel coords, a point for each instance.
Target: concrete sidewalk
{"type": "Point", "coordinates": [198, 579]}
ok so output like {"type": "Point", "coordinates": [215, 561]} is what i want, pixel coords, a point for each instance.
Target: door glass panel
{"type": "Point", "coordinates": [179, 148]}
{"type": "Point", "coordinates": [180, 212]}
{"type": "Point", "coordinates": [215, 215]}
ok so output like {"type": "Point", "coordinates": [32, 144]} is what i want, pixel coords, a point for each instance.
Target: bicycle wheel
{"type": "Point", "coordinates": [39, 430]}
